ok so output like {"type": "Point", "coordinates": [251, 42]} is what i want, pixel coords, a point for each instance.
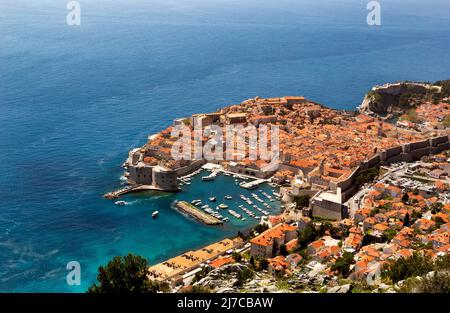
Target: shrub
{"type": "Point", "coordinates": [416, 265]}
{"type": "Point", "coordinates": [438, 283]}
{"type": "Point", "coordinates": [126, 275]}
{"type": "Point", "coordinates": [342, 264]}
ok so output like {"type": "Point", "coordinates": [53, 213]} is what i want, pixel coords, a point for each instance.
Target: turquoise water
{"type": "Point", "coordinates": [74, 100]}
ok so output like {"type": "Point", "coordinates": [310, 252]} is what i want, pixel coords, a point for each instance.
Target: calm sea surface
{"type": "Point", "coordinates": [74, 100]}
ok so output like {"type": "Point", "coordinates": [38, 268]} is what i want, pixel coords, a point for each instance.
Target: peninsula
{"type": "Point", "coordinates": [363, 192]}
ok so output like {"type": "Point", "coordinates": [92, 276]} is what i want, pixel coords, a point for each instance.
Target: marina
{"type": "Point", "coordinates": [247, 204]}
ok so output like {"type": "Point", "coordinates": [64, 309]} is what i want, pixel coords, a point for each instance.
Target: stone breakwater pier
{"type": "Point", "coordinates": [129, 189]}
{"type": "Point", "coordinates": [191, 210]}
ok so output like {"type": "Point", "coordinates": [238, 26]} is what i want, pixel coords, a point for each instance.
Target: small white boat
{"type": "Point", "coordinates": [228, 197]}
{"type": "Point", "coordinates": [120, 203]}
{"type": "Point", "coordinates": [223, 206]}
{"type": "Point", "coordinates": [155, 214]}
{"type": "Point", "coordinates": [212, 199]}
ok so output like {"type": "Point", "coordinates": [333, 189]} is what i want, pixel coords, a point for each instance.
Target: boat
{"type": "Point", "coordinates": [155, 214]}
{"type": "Point", "coordinates": [120, 203]}
{"type": "Point", "coordinates": [210, 177]}
{"type": "Point", "coordinates": [233, 213]}
{"type": "Point", "coordinates": [223, 206]}
{"type": "Point", "coordinates": [212, 199]}
{"type": "Point", "coordinates": [228, 197]}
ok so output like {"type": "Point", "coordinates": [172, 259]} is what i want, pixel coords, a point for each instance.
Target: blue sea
{"type": "Point", "coordinates": [75, 99]}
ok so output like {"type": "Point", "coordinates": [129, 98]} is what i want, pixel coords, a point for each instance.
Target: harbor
{"type": "Point", "coordinates": [242, 206]}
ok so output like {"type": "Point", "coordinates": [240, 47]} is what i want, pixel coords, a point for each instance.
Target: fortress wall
{"type": "Point", "coordinates": [393, 152]}
{"type": "Point", "coordinates": [293, 169]}
{"type": "Point", "coordinates": [438, 140]}
{"type": "Point", "coordinates": [409, 152]}
{"type": "Point", "coordinates": [372, 162]}
{"type": "Point", "coordinates": [419, 144]}
{"type": "Point", "coordinates": [348, 183]}
{"type": "Point", "coordinates": [443, 146]}
{"type": "Point", "coordinates": [395, 159]}
{"type": "Point", "coordinates": [405, 153]}
{"type": "Point", "coordinates": [407, 157]}
{"type": "Point", "coordinates": [333, 213]}
{"type": "Point", "coordinates": [190, 168]}
{"type": "Point", "coordinates": [418, 153]}
{"type": "Point", "coordinates": [349, 193]}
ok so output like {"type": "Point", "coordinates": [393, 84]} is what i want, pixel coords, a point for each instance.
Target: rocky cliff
{"type": "Point", "coordinates": [396, 98]}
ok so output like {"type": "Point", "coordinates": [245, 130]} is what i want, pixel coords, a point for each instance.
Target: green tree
{"type": "Point", "coordinates": [416, 214]}
{"type": "Point", "coordinates": [261, 228]}
{"type": "Point", "coordinates": [283, 250]}
{"type": "Point", "coordinates": [126, 275]}
{"type": "Point", "coordinates": [196, 289]}
{"type": "Point", "coordinates": [252, 261]}
{"type": "Point", "coordinates": [263, 264]}
{"type": "Point", "coordinates": [236, 256]}
{"type": "Point", "coordinates": [366, 175]}
{"type": "Point", "coordinates": [302, 201]}
{"type": "Point", "coordinates": [438, 283]}
{"type": "Point", "coordinates": [389, 234]}
{"type": "Point", "coordinates": [446, 121]}
{"type": "Point", "coordinates": [405, 198]}
{"type": "Point", "coordinates": [416, 265]}
{"type": "Point", "coordinates": [306, 236]}
{"type": "Point", "coordinates": [243, 276]}
{"type": "Point", "coordinates": [342, 264]}
{"type": "Point", "coordinates": [436, 207]}
{"type": "Point", "coordinates": [406, 220]}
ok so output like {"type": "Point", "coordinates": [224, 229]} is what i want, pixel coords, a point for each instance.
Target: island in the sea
{"type": "Point", "coordinates": [359, 189]}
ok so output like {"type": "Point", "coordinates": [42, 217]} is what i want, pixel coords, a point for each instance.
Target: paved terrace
{"type": "Point", "coordinates": [188, 261]}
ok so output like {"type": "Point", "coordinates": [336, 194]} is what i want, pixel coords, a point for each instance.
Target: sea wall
{"type": "Point", "coordinates": [409, 152]}
{"type": "Point", "coordinates": [195, 165]}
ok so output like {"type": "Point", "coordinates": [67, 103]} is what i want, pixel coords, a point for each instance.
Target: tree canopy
{"type": "Point", "coordinates": [125, 275]}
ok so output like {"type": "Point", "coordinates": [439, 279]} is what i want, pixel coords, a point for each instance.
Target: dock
{"type": "Point", "coordinates": [252, 184]}
{"type": "Point", "coordinates": [199, 215]}
{"type": "Point", "coordinates": [128, 189]}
